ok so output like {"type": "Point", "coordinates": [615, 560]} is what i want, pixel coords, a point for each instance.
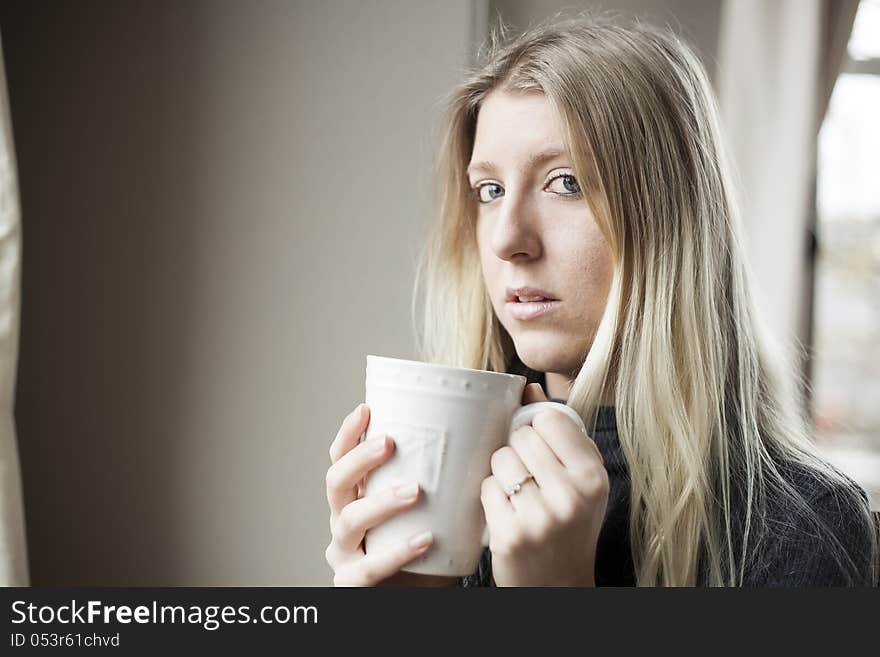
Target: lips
{"type": "Point", "coordinates": [528, 294]}
{"type": "Point", "coordinates": [526, 302]}
{"type": "Point", "coordinates": [530, 310]}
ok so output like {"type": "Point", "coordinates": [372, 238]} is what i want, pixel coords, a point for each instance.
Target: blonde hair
{"type": "Point", "coordinates": [704, 411]}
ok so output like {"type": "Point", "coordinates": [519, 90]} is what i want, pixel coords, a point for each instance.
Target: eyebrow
{"type": "Point", "coordinates": [533, 160]}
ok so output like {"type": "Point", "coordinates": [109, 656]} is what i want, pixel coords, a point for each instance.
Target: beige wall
{"type": "Point", "coordinates": [696, 20]}
{"type": "Point", "coordinates": [221, 203]}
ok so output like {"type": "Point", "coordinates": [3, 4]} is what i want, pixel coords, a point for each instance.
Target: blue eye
{"type": "Point", "coordinates": [495, 191]}
{"type": "Point", "coordinates": [569, 184]}
{"type": "Point", "coordinates": [489, 191]}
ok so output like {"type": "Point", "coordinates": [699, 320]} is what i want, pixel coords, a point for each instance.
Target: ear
{"type": "Point", "coordinates": [533, 393]}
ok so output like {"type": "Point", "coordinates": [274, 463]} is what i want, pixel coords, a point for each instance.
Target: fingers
{"type": "Point", "coordinates": [537, 457]}
{"type": "Point", "coordinates": [361, 515]}
{"type": "Point", "coordinates": [580, 457]}
{"type": "Point", "coordinates": [344, 476]}
{"type": "Point", "coordinates": [533, 392]}
{"type": "Point", "coordinates": [374, 567]}
{"type": "Point", "coordinates": [500, 514]}
{"type": "Point", "coordinates": [508, 469]}
{"type": "Point", "coordinates": [350, 432]}
{"type": "Point", "coordinates": [564, 437]}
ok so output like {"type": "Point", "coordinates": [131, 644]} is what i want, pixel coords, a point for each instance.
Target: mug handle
{"type": "Point", "coordinates": [523, 416]}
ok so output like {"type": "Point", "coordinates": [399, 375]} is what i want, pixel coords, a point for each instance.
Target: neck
{"type": "Point", "coordinates": [558, 386]}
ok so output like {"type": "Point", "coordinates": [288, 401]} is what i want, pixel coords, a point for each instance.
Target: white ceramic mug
{"type": "Point", "coordinates": [445, 422]}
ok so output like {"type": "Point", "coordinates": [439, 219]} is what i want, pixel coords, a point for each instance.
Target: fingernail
{"type": "Point", "coordinates": [379, 445]}
{"type": "Point", "coordinates": [420, 541]}
{"type": "Point", "coordinates": [406, 491]}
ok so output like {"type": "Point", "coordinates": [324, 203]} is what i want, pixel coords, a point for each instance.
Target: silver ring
{"type": "Point", "coordinates": [514, 489]}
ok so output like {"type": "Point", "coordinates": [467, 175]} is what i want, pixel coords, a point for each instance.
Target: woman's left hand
{"type": "Point", "coordinates": [545, 534]}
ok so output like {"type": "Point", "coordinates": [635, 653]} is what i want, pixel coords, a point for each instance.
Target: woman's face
{"type": "Point", "coordinates": [534, 229]}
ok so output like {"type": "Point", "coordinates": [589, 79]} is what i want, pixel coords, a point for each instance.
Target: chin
{"type": "Point", "coordinates": [538, 352]}
{"type": "Point", "coordinates": [547, 351]}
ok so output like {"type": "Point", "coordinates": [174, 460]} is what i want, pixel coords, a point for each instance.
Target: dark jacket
{"type": "Point", "coordinates": [789, 551]}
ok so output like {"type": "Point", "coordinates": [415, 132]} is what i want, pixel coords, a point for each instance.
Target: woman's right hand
{"type": "Point", "coordinates": [352, 514]}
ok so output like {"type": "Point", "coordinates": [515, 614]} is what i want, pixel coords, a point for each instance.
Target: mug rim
{"type": "Point", "coordinates": [438, 366]}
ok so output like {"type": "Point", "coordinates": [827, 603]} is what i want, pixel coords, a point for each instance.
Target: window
{"type": "Point", "coordinates": [846, 369]}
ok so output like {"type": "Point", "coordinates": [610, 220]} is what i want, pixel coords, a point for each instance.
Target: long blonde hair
{"type": "Point", "coordinates": [706, 407]}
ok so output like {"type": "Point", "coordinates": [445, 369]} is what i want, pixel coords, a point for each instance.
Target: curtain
{"type": "Point", "coordinates": [13, 550]}
{"type": "Point", "coordinates": [777, 62]}
{"type": "Point", "coordinates": [837, 26]}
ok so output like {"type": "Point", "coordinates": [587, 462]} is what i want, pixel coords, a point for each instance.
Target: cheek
{"type": "Point", "coordinates": [488, 261]}
{"type": "Point", "coordinates": [481, 247]}
{"type": "Point", "coordinates": [597, 261]}
{"type": "Point", "coordinates": [489, 265]}
{"type": "Point", "coordinates": [591, 266]}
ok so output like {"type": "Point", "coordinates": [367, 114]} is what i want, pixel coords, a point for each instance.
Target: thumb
{"type": "Point", "coordinates": [533, 393]}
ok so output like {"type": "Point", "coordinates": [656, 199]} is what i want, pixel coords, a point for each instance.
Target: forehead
{"type": "Point", "coordinates": [513, 125]}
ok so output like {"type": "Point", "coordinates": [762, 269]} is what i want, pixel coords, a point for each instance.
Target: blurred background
{"type": "Point", "coordinates": [204, 203]}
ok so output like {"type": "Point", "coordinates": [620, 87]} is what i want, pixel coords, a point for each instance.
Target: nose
{"type": "Point", "coordinates": [515, 232]}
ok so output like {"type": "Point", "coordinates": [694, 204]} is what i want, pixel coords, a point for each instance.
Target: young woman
{"type": "Point", "coordinates": [582, 166]}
